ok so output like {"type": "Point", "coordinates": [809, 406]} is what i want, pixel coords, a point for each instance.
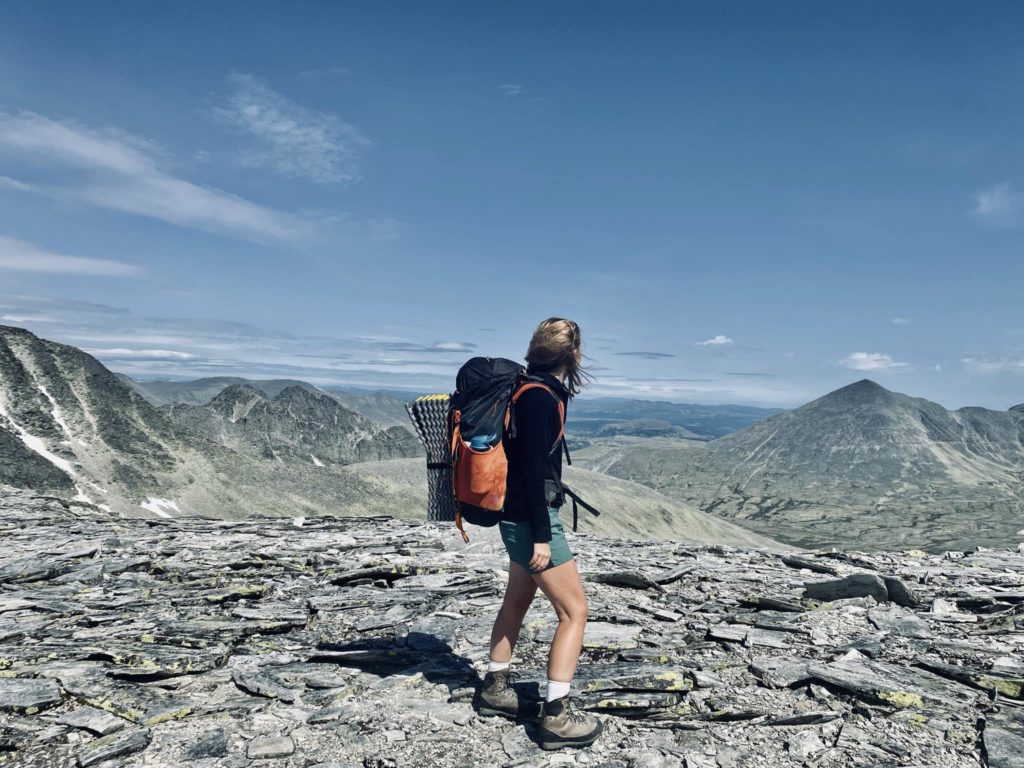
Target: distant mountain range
{"type": "Point", "coordinates": [231, 448]}
{"type": "Point", "coordinates": [71, 427]}
{"type": "Point", "coordinates": [383, 407]}
{"type": "Point", "coordinates": [587, 418]}
{"type": "Point", "coordinates": [861, 466]}
{"type": "Point", "coordinates": [299, 423]}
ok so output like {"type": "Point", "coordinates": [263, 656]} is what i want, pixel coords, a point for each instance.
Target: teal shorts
{"type": "Point", "coordinates": [518, 538]}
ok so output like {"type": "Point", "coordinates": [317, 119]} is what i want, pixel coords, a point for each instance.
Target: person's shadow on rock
{"type": "Point", "coordinates": [420, 652]}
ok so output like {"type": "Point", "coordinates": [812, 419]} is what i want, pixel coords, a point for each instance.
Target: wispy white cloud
{"type": "Point", "coordinates": [870, 361]}
{"type": "Point", "coordinates": [290, 139]}
{"type": "Point", "coordinates": [28, 319]}
{"type": "Point", "coordinates": [901, 321]}
{"type": "Point", "coordinates": [52, 305]}
{"type": "Point", "coordinates": [1004, 364]}
{"type": "Point", "coordinates": [392, 345]}
{"type": "Point", "coordinates": [453, 346]}
{"type": "Point", "coordinates": [999, 206]}
{"type": "Point", "coordinates": [647, 355]}
{"type": "Point", "coordinates": [6, 182]}
{"type": "Point", "coordinates": [148, 354]}
{"type": "Point", "coordinates": [717, 341]}
{"type": "Point", "coordinates": [120, 172]}
{"type": "Point", "coordinates": [19, 256]}
{"type": "Point", "coordinates": [511, 89]}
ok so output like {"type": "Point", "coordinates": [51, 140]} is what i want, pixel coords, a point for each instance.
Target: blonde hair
{"type": "Point", "coordinates": [554, 348]}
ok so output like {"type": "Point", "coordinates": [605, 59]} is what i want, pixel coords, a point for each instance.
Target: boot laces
{"type": "Point", "coordinates": [507, 680]}
{"type": "Point", "coordinates": [573, 713]}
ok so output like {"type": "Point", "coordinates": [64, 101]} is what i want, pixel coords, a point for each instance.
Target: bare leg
{"type": "Point", "coordinates": [563, 588]}
{"type": "Point", "coordinates": [518, 596]}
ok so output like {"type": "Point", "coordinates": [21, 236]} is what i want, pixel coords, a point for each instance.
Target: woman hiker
{"type": "Point", "coordinates": [538, 553]}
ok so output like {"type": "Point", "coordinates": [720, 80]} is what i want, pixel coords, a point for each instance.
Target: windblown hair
{"type": "Point", "coordinates": [553, 349]}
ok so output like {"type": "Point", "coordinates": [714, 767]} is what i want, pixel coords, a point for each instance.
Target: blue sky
{"type": "Point", "coordinates": [746, 202]}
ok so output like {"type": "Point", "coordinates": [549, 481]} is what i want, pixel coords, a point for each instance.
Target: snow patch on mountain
{"type": "Point", "coordinates": [36, 444]}
{"type": "Point", "coordinates": [160, 506]}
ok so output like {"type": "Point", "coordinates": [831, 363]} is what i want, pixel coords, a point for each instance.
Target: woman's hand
{"type": "Point", "coordinates": [541, 556]}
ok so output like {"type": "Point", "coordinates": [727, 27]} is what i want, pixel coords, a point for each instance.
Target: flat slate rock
{"type": "Point", "coordinates": [600, 635]}
{"type": "Point", "coordinates": [93, 720]}
{"type": "Point", "coordinates": [116, 745]}
{"type": "Point", "coordinates": [854, 585]}
{"type": "Point", "coordinates": [780, 671]}
{"type": "Point", "coordinates": [28, 696]}
{"type": "Point", "coordinates": [900, 592]}
{"type": "Point", "coordinates": [899, 621]}
{"type": "Point", "coordinates": [817, 566]}
{"type": "Point", "coordinates": [630, 579]}
{"type": "Point", "coordinates": [270, 747]}
{"type": "Point", "coordinates": [1003, 748]}
{"type": "Point", "coordinates": [262, 685]}
{"type": "Point", "coordinates": [889, 684]}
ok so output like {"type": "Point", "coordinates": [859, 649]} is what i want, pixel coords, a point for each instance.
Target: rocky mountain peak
{"type": "Point", "coordinates": [236, 393]}
{"type": "Point", "coordinates": [863, 392]}
{"type": "Point", "coordinates": [236, 400]}
{"type": "Point", "coordinates": [13, 330]}
{"type": "Point", "coordinates": [1017, 408]}
{"type": "Point", "coordinates": [301, 394]}
{"type": "Point", "coordinates": [69, 423]}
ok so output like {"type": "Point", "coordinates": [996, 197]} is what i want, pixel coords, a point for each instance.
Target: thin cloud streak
{"type": "Point", "coordinates": [6, 182]}
{"type": "Point", "coordinates": [717, 341]}
{"type": "Point", "coordinates": [146, 354]}
{"type": "Point", "coordinates": [646, 355]}
{"type": "Point", "coordinates": [19, 256]}
{"type": "Point", "coordinates": [871, 361]}
{"type": "Point", "coordinates": [994, 364]}
{"type": "Point", "coordinates": [120, 172]}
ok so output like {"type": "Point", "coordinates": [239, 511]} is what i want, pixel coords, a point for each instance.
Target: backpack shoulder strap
{"type": "Point", "coordinates": [558, 401]}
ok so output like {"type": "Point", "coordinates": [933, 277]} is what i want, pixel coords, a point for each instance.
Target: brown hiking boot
{"type": "Point", "coordinates": [562, 726]}
{"type": "Point", "coordinates": [497, 697]}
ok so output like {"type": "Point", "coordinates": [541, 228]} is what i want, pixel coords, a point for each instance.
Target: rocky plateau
{"type": "Point", "coordinates": [358, 642]}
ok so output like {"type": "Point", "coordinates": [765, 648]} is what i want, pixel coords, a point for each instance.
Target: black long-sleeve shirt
{"type": "Point", "coordinates": [534, 457]}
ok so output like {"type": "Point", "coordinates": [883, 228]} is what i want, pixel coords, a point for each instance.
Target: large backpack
{"type": "Point", "coordinates": [479, 422]}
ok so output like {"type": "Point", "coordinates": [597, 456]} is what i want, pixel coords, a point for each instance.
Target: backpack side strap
{"type": "Point", "coordinates": [577, 500]}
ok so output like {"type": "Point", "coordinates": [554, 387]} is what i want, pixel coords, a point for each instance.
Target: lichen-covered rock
{"type": "Point", "coordinates": [116, 745]}
{"type": "Point", "coordinates": [27, 696]}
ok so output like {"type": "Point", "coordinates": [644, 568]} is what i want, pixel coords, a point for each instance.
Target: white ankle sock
{"type": "Point", "coordinates": [556, 690]}
{"type": "Point", "coordinates": [497, 666]}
